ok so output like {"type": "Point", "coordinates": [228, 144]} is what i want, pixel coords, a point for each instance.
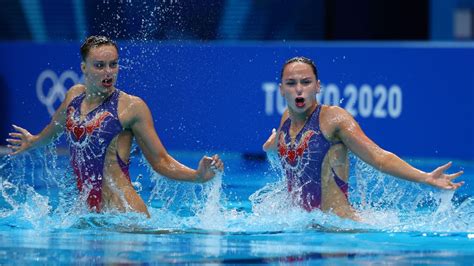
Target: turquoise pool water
{"type": "Point", "coordinates": [241, 217]}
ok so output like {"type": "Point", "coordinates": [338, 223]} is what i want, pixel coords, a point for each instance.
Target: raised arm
{"type": "Point", "coordinates": [350, 133]}
{"type": "Point", "coordinates": [141, 123]}
{"type": "Point", "coordinates": [22, 140]}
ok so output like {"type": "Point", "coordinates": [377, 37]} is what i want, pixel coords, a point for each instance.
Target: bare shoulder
{"type": "Point", "coordinates": [285, 115]}
{"type": "Point", "coordinates": [72, 93]}
{"type": "Point", "coordinates": [75, 91]}
{"type": "Point", "coordinates": [332, 118]}
{"type": "Point", "coordinates": [132, 109]}
{"type": "Point", "coordinates": [131, 102]}
{"type": "Point", "coordinates": [334, 114]}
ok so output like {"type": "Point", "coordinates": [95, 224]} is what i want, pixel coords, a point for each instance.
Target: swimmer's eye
{"type": "Point", "coordinates": [113, 64]}
{"type": "Point", "coordinates": [99, 65]}
{"type": "Point", "coordinates": [306, 81]}
{"type": "Point", "coordinates": [290, 83]}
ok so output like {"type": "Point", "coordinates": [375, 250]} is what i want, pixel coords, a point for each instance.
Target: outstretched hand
{"type": "Point", "coordinates": [440, 179]}
{"type": "Point", "coordinates": [20, 141]}
{"type": "Point", "coordinates": [209, 167]}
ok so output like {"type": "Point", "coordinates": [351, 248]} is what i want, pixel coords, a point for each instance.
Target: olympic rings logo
{"type": "Point", "coordinates": [56, 90]}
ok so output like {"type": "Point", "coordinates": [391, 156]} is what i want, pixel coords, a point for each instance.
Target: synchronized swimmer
{"type": "Point", "coordinates": [100, 123]}
{"type": "Point", "coordinates": [313, 141]}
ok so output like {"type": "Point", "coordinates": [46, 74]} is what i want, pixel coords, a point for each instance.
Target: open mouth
{"type": "Point", "coordinates": [299, 101]}
{"type": "Point", "coordinates": [107, 82]}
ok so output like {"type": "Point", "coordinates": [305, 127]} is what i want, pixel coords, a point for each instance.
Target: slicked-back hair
{"type": "Point", "coordinates": [95, 41]}
{"type": "Point", "coordinates": [301, 59]}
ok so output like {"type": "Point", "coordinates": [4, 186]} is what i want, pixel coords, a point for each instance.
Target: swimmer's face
{"type": "Point", "coordinates": [101, 68]}
{"type": "Point", "coordinates": [299, 86]}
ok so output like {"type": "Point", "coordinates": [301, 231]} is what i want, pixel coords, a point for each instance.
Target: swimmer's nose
{"type": "Point", "coordinates": [299, 89]}
{"type": "Point", "coordinates": [108, 70]}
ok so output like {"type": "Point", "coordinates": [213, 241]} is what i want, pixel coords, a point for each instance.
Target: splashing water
{"type": "Point", "coordinates": [38, 192]}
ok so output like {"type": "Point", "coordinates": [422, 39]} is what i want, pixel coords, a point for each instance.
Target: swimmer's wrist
{"type": "Point", "coordinates": [38, 142]}
{"type": "Point", "coordinates": [198, 178]}
{"type": "Point", "coordinates": [34, 141]}
{"type": "Point", "coordinates": [426, 179]}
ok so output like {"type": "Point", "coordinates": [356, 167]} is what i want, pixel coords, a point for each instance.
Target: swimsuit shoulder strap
{"type": "Point", "coordinates": [314, 118]}
{"type": "Point", "coordinates": [317, 124]}
{"type": "Point", "coordinates": [286, 124]}
{"type": "Point", "coordinates": [113, 101]}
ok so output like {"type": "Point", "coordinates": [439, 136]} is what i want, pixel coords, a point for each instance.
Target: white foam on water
{"type": "Point", "coordinates": [382, 203]}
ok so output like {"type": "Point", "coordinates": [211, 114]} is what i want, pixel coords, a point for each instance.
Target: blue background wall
{"type": "Point", "coordinates": [219, 96]}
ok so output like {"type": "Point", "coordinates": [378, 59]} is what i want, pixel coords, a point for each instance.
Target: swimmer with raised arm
{"type": "Point", "coordinates": [100, 122]}
{"type": "Point", "coordinates": [313, 141]}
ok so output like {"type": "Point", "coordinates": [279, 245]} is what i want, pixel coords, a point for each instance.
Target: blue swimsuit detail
{"type": "Point", "coordinates": [303, 160]}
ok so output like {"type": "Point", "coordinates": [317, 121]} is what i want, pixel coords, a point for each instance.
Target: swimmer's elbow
{"type": "Point", "coordinates": [157, 168]}
{"type": "Point", "coordinates": [384, 160]}
{"type": "Point", "coordinates": [269, 147]}
{"type": "Point", "coordinates": [271, 143]}
{"type": "Point", "coordinates": [159, 164]}
{"type": "Point", "coordinates": [266, 147]}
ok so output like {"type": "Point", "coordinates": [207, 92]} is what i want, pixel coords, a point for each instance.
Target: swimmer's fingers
{"type": "Point", "coordinates": [16, 142]}
{"type": "Point", "coordinates": [16, 149]}
{"type": "Point", "coordinates": [19, 141]}
{"type": "Point", "coordinates": [21, 133]}
{"type": "Point", "coordinates": [21, 130]}
{"type": "Point", "coordinates": [15, 145]}
{"type": "Point", "coordinates": [217, 164]}
{"type": "Point", "coordinates": [443, 180]}
{"type": "Point", "coordinates": [205, 170]}
{"type": "Point", "coordinates": [451, 184]}
{"type": "Point", "coordinates": [457, 185]}
{"type": "Point", "coordinates": [443, 168]}
{"type": "Point", "coordinates": [455, 175]}
{"type": "Point", "coordinates": [209, 167]}
{"type": "Point", "coordinates": [16, 135]}
{"type": "Point", "coordinates": [206, 161]}
{"type": "Point", "coordinates": [440, 170]}
{"type": "Point", "coordinates": [445, 183]}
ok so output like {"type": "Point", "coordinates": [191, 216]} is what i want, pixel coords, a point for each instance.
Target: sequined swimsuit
{"type": "Point", "coordinates": [88, 142]}
{"type": "Point", "coordinates": [303, 161]}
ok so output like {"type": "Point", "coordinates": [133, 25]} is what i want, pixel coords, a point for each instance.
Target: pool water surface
{"type": "Point", "coordinates": [243, 216]}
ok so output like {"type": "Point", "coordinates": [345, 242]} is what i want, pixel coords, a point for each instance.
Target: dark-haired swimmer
{"type": "Point", "coordinates": [313, 141]}
{"type": "Point", "coordinates": [100, 123]}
